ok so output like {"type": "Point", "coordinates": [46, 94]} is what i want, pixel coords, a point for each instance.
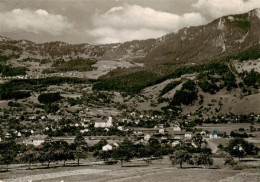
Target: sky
{"type": "Point", "coordinates": [109, 21]}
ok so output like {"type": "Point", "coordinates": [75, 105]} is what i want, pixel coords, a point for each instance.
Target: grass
{"type": "Point", "coordinates": [159, 170]}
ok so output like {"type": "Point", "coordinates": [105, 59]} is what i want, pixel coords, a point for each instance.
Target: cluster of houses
{"type": "Point", "coordinates": [173, 134]}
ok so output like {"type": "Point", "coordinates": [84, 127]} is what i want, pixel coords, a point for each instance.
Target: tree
{"type": "Point", "coordinates": [47, 153]}
{"type": "Point", "coordinates": [100, 144]}
{"type": "Point", "coordinates": [230, 161]}
{"type": "Point", "coordinates": [8, 152]}
{"type": "Point", "coordinates": [203, 159]}
{"type": "Point", "coordinates": [80, 148]}
{"type": "Point", "coordinates": [29, 157]}
{"type": "Point", "coordinates": [238, 147]}
{"type": "Point", "coordinates": [64, 152]}
{"type": "Point", "coordinates": [48, 98]}
{"type": "Point", "coordinates": [180, 156]}
{"type": "Point", "coordinates": [124, 152]}
{"type": "Point", "coordinates": [104, 155]}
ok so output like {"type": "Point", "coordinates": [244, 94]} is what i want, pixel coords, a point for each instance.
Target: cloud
{"type": "Point", "coordinates": [218, 8]}
{"type": "Point", "coordinates": [25, 20]}
{"type": "Point", "coordinates": [128, 22]}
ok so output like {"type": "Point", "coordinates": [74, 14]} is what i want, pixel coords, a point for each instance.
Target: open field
{"type": "Point", "coordinates": [159, 170]}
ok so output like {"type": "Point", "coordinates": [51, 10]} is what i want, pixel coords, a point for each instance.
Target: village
{"type": "Point", "coordinates": [116, 91]}
{"type": "Point", "coordinates": [139, 128]}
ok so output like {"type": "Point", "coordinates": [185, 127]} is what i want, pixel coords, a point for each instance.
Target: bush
{"type": "Point", "coordinates": [169, 87]}
{"type": "Point", "coordinates": [7, 70]}
{"type": "Point", "coordinates": [48, 98]}
{"type": "Point", "coordinates": [184, 97]}
{"type": "Point", "coordinates": [7, 95]}
{"type": "Point", "coordinates": [189, 85]}
{"type": "Point", "coordinates": [252, 79]}
{"type": "Point", "coordinates": [51, 108]}
{"type": "Point", "coordinates": [229, 160]}
{"type": "Point", "coordinates": [208, 87]}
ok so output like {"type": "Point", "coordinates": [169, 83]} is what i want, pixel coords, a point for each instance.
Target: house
{"type": "Point", "coordinates": [110, 146]}
{"type": "Point", "coordinates": [120, 128]}
{"type": "Point", "coordinates": [84, 131]}
{"type": "Point", "coordinates": [32, 118]}
{"type": "Point", "coordinates": [160, 125]}
{"type": "Point", "coordinates": [203, 133]}
{"type": "Point", "coordinates": [132, 113]}
{"type": "Point", "coordinates": [213, 134]}
{"type": "Point", "coordinates": [182, 134]}
{"type": "Point", "coordinates": [176, 128]}
{"type": "Point", "coordinates": [37, 140]}
{"type": "Point", "coordinates": [161, 131]}
{"type": "Point", "coordinates": [8, 135]}
{"type": "Point", "coordinates": [144, 130]}
{"type": "Point", "coordinates": [104, 124]}
{"type": "Point", "coordinates": [175, 143]}
{"type": "Point", "coordinates": [107, 147]}
{"type": "Point", "coordinates": [147, 137]}
{"type": "Point", "coordinates": [85, 124]}
{"type": "Point", "coordinates": [188, 135]}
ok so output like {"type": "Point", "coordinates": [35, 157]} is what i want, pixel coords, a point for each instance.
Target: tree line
{"type": "Point", "coordinates": [55, 151]}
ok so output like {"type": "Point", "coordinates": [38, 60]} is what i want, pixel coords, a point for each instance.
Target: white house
{"type": "Point", "coordinates": [147, 137]}
{"type": "Point", "coordinates": [175, 143]}
{"type": "Point", "coordinates": [8, 135]}
{"type": "Point", "coordinates": [120, 128]}
{"type": "Point", "coordinates": [187, 135]}
{"type": "Point", "coordinates": [84, 131]}
{"type": "Point", "coordinates": [176, 128]}
{"type": "Point", "coordinates": [107, 147]}
{"type": "Point", "coordinates": [104, 124]}
{"type": "Point", "coordinates": [32, 117]}
{"type": "Point", "coordinates": [37, 140]}
{"type": "Point", "coordinates": [182, 134]}
{"type": "Point", "coordinates": [161, 131]}
{"type": "Point", "coordinates": [132, 113]}
{"type": "Point", "coordinates": [203, 133]}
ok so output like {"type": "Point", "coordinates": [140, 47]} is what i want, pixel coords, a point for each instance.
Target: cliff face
{"type": "Point", "coordinates": [223, 37]}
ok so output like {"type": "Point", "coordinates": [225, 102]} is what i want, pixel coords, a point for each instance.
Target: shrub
{"type": "Point", "coordinates": [7, 95]}
{"type": "Point", "coordinates": [184, 97]}
{"type": "Point", "coordinates": [169, 87]}
{"type": "Point", "coordinates": [48, 98]}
